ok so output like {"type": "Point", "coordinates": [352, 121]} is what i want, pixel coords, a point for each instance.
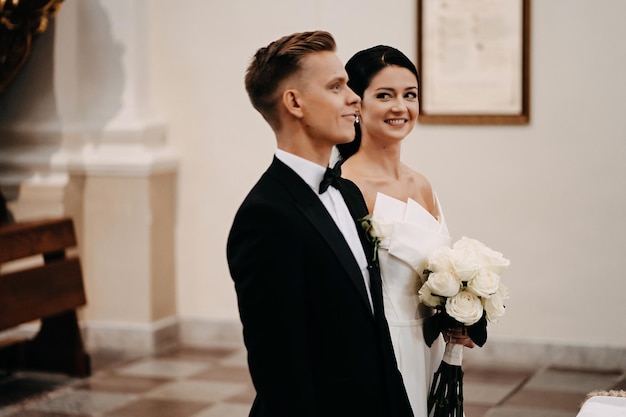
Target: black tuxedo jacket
{"type": "Point", "coordinates": [314, 346]}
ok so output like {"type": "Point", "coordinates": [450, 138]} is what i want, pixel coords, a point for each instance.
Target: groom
{"type": "Point", "coordinates": [309, 296]}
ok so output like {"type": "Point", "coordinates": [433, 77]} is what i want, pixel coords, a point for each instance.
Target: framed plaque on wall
{"type": "Point", "coordinates": [473, 61]}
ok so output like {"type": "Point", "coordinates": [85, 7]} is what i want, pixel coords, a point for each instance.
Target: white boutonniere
{"type": "Point", "coordinates": [373, 231]}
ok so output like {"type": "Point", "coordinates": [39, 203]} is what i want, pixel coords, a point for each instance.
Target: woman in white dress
{"type": "Point", "coordinates": [403, 201]}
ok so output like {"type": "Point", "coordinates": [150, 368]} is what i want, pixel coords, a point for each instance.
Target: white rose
{"type": "Point", "coordinates": [465, 307]}
{"type": "Point", "coordinates": [485, 283]}
{"type": "Point", "coordinates": [467, 243]}
{"type": "Point", "coordinates": [465, 263]}
{"type": "Point", "coordinates": [439, 259]}
{"type": "Point", "coordinates": [428, 298]}
{"type": "Point", "coordinates": [444, 284]}
{"type": "Point", "coordinates": [487, 257]}
{"type": "Point", "coordinates": [377, 227]}
{"type": "Point", "coordinates": [495, 260]}
{"type": "Point", "coordinates": [494, 305]}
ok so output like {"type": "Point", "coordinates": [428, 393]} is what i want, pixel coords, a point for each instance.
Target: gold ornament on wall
{"type": "Point", "coordinates": [20, 23]}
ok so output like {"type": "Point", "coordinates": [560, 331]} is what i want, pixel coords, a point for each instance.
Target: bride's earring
{"type": "Point", "coordinates": [357, 119]}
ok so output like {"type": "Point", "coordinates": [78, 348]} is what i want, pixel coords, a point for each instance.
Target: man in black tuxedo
{"type": "Point", "coordinates": [309, 294]}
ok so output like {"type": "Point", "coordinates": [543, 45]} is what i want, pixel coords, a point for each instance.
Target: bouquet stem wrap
{"type": "Point", "coordinates": [446, 392]}
{"type": "Point", "coordinates": [453, 355]}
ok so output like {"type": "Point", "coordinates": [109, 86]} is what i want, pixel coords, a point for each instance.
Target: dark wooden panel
{"type": "Point", "coordinates": [31, 238]}
{"type": "Point", "coordinates": [40, 292]}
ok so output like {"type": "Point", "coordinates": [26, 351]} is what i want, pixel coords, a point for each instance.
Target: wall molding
{"type": "Point", "coordinates": [132, 338]}
{"type": "Point", "coordinates": [514, 353]}
{"type": "Point", "coordinates": [172, 332]}
{"type": "Point", "coordinates": [543, 353]}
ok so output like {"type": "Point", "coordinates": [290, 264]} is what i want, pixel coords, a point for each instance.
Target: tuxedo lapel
{"type": "Point", "coordinates": [356, 204]}
{"type": "Point", "coordinates": [358, 209]}
{"type": "Point", "coordinates": [314, 211]}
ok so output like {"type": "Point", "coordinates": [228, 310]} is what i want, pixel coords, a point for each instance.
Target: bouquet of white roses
{"type": "Point", "coordinates": [463, 283]}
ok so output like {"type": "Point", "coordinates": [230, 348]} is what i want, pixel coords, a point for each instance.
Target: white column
{"type": "Point", "coordinates": [88, 144]}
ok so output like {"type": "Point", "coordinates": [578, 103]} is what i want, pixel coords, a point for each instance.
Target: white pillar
{"type": "Point", "coordinates": [86, 143]}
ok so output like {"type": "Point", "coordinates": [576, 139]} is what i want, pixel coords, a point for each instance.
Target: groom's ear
{"type": "Point", "coordinates": [292, 100]}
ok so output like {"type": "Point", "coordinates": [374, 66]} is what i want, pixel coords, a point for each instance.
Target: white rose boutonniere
{"type": "Point", "coordinates": [375, 230]}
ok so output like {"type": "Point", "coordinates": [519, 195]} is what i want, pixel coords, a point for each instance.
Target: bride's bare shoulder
{"type": "Point", "coordinates": [420, 181]}
{"type": "Point", "coordinates": [421, 191]}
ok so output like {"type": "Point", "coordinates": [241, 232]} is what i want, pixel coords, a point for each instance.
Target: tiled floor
{"type": "Point", "coordinates": [215, 383]}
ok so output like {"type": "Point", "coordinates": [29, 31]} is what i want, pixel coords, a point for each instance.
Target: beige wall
{"type": "Point", "coordinates": [550, 195]}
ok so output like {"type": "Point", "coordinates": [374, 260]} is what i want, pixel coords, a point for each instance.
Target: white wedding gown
{"type": "Point", "coordinates": [410, 233]}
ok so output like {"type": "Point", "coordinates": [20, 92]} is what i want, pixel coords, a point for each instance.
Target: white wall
{"type": "Point", "coordinates": [549, 195]}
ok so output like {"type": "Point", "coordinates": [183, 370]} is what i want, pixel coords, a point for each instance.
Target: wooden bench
{"type": "Point", "coordinates": [49, 290]}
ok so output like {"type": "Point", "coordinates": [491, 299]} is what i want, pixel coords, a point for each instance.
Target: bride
{"type": "Point", "coordinates": [403, 201]}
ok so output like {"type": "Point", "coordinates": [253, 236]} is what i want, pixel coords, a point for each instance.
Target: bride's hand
{"type": "Point", "coordinates": [458, 336]}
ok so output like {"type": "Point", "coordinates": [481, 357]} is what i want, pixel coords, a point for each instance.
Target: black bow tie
{"type": "Point", "coordinates": [331, 176]}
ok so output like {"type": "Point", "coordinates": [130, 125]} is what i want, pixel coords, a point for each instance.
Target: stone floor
{"type": "Point", "coordinates": [214, 382]}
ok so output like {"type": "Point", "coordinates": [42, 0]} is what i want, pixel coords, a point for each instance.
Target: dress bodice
{"type": "Point", "coordinates": [410, 233]}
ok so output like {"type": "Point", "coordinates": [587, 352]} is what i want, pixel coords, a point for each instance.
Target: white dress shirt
{"type": "Point", "coordinates": [313, 174]}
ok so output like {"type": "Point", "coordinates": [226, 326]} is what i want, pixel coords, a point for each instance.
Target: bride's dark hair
{"type": "Point", "coordinates": [361, 68]}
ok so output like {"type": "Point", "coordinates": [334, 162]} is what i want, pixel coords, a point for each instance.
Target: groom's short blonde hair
{"type": "Point", "coordinates": [278, 61]}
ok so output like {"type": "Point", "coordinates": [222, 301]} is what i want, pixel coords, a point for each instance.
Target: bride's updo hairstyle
{"type": "Point", "coordinates": [361, 68]}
